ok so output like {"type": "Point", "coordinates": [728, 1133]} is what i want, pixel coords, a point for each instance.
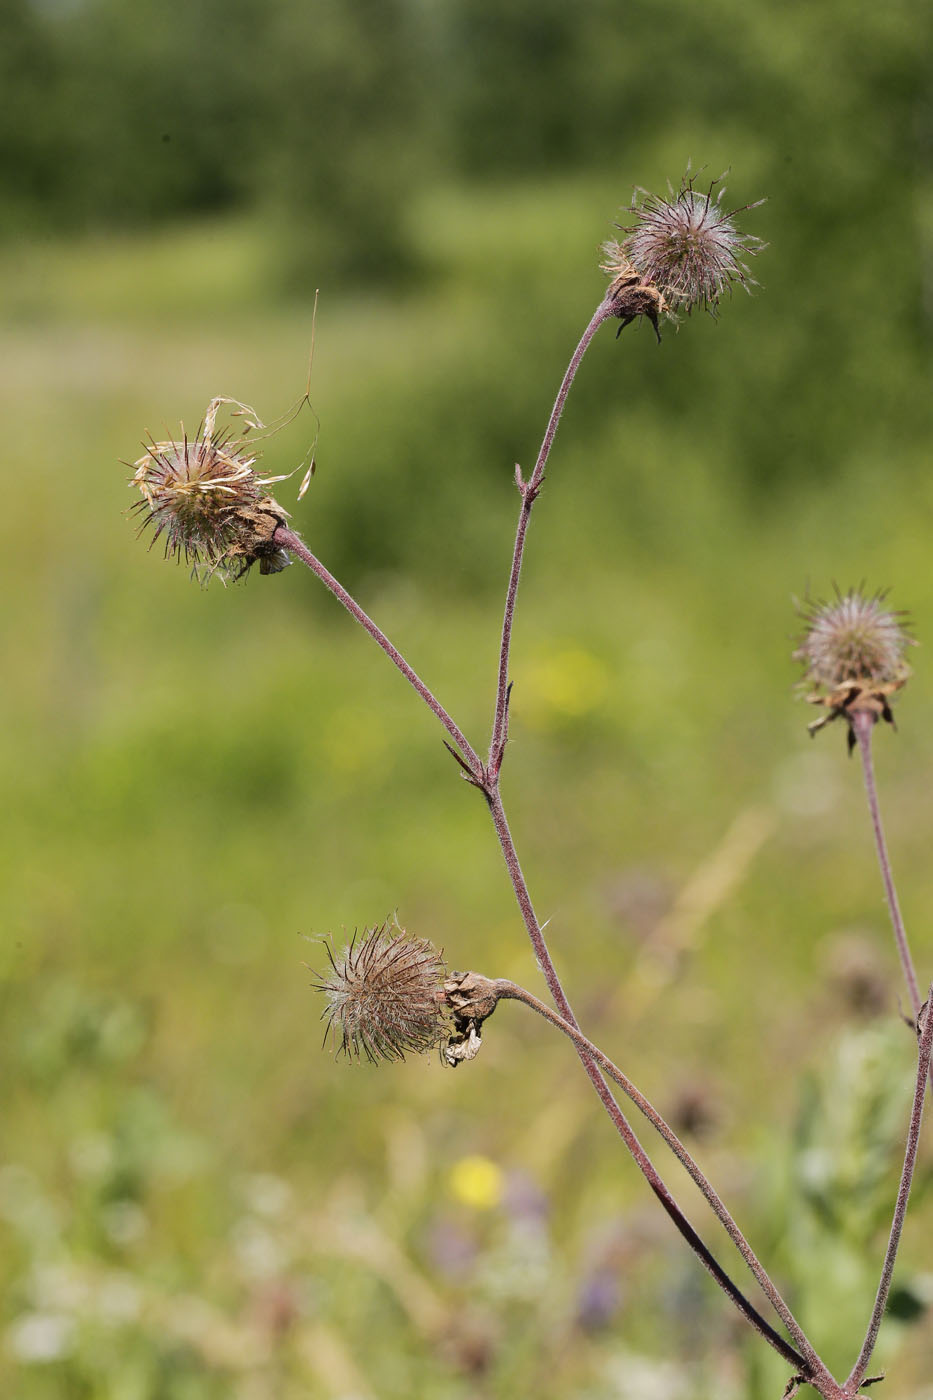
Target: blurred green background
{"type": "Point", "coordinates": [195, 1201]}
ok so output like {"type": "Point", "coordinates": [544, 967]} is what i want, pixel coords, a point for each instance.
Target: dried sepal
{"type": "Point", "coordinates": [472, 998]}
{"type": "Point", "coordinates": [630, 294]}
{"type": "Point", "coordinates": [385, 996]}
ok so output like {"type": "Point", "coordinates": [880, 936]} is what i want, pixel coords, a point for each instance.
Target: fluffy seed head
{"type": "Point", "coordinates": [853, 637]}
{"type": "Point", "coordinates": [205, 497]}
{"type": "Point", "coordinates": [385, 996]}
{"type": "Point", "coordinates": [853, 653]}
{"type": "Point", "coordinates": [686, 246]}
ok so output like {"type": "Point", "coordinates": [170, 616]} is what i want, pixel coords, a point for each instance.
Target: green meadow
{"type": "Point", "coordinates": [196, 1199]}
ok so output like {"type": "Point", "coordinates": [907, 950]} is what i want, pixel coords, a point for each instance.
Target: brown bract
{"type": "Point", "coordinates": [847, 700]}
{"type": "Point", "coordinates": [630, 294]}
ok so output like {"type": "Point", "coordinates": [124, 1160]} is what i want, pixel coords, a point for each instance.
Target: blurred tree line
{"type": "Point", "coordinates": [328, 114]}
{"type": "Point", "coordinates": [328, 121]}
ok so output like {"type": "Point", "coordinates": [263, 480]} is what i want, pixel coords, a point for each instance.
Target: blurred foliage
{"type": "Point", "coordinates": [195, 1201]}
{"type": "Point", "coordinates": [829, 1202]}
{"type": "Point", "coordinates": [334, 113]}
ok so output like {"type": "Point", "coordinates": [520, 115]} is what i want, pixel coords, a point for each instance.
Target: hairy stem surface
{"type": "Point", "coordinates": [900, 1208]}
{"type": "Point", "coordinates": [529, 491]}
{"type": "Point", "coordinates": [807, 1363]}
{"type": "Point", "coordinates": [863, 724]}
{"type": "Point", "coordinates": [615, 1113]}
{"type": "Point", "coordinates": [511, 990]}
{"type": "Point", "coordinates": [287, 539]}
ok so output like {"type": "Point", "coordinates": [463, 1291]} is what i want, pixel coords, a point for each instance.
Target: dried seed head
{"type": "Point", "coordinates": [212, 507]}
{"type": "Point", "coordinates": [386, 997]}
{"type": "Point", "coordinates": [853, 638]}
{"type": "Point", "coordinates": [853, 647]}
{"type": "Point", "coordinates": [686, 247]}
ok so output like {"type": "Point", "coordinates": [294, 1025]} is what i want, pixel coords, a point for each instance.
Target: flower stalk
{"type": "Point", "coordinates": [925, 1029]}
{"type": "Point", "coordinates": [529, 493]}
{"type": "Point", "coordinates": [494, 990]}
{"type": "Point", "coordinates": [288, 540]}
{"type": "Point", "coordinates": [863, 725]}
{"type": "Point", "coordinates": [854, 653]}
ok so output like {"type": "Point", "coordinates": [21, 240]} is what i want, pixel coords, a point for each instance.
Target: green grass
{"type": "Point", "coordinates": [198, 1202]}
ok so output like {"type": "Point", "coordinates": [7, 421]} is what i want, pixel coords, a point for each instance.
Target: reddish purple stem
{"type": "Point", "coordinates": [806, 1361]}
{"type": "Point", "coordinates": [863, 723]}
{"type": "Point", "coordinates": [812, 1370]}
{"type": "Point", "coordinates": [287, 539]}
{"type": "Point", "coordinates": [514, 992]}
{"type": "Point", "coordinates": [900, 1208]}
{"type": "Point", "coordinates": [529, 491]}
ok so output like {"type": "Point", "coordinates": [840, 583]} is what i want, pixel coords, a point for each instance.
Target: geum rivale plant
{"type": "Point", "coordinates": [388, 993]}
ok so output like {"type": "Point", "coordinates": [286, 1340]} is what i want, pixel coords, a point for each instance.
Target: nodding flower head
{"type": "Point", "coordinates": [853, 650]}
{"type": "Point", "coordinates": [385, 996]}
{"type": "Point", "coordinates": [686, 249]}
{"type": "Point", "coordinates": [205, 497]}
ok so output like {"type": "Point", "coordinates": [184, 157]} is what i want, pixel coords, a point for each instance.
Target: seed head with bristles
{"type": "Point", "coordinates": [853, 650]}
{"type": "Point", "coordinates": [385, 996]}
{"type": "Point", "coordinates": [853, 637]}
{"type": "Point", "coordinates": [205, 497]}
{"type": "Point", "coordinates": [686, 247]}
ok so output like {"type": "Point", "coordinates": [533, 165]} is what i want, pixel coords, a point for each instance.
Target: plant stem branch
{"type": "Point", "coordinates": [612, 1108]}
{"type": "Point", "coordinates": [529, 491]}
{"type": "Point", "coordinates": [512, 991]}
{"type": "Point", "coordinates": [806, 1362]}
{"type": "Point", "coordinates": [863, 723]}
{"type": "Point", "coordinates": [287, 539]}
{"type": "Point", "coordinates": [903, 1193]}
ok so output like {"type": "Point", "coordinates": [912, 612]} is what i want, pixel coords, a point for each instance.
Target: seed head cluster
{"type": "Point", "coordinates": [385, 996]}
{"type": "Point", "coordinates": [204, 496]}
{"type": "Point", "coordinates": [853, 650]}
{"type": "Point", "coordinates": [686, 249]}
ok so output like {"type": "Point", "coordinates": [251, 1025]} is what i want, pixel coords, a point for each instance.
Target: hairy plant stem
{"type": "Point", "coordinates": [512, 991]}
{"type": "Point", "coordinates": [863, 723]}
{"type": "Point", "coordinates": [903, 1192]}
{"type": "Point", "coordinates": [813, 1373]}
{"type": "Point", "coordinates": [529, 491]}
{"type": "Point", "coordinates": [806, 1362]}
{"type": "Point", "coordinates": [287, 539]}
